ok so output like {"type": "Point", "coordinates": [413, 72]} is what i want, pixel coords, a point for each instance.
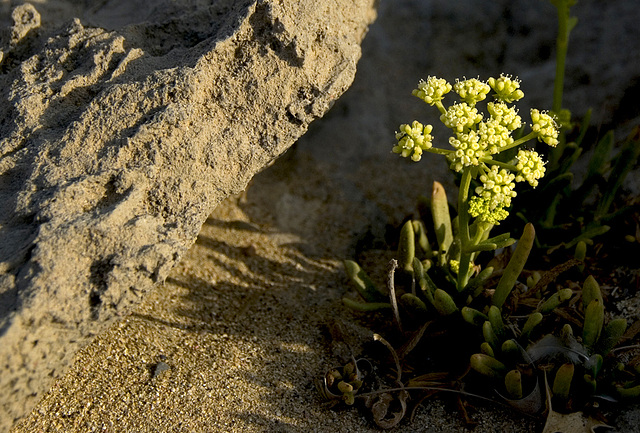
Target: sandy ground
{"type": "Point", "coordinates": [231, 342]}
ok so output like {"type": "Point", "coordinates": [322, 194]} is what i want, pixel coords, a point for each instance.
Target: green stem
{"type": "Point", "coordinates": [463, 229]}
{"type": "Point", "coordinates": [562, 44]}
{"type": "Point", "coordinates": [490, 161]}
{"type": "Point", "coordinates": [519, 141]}
{"type": "Point", "coordinates": [439, 151]}
{"type": "Point", "coordinates": [565, 24]}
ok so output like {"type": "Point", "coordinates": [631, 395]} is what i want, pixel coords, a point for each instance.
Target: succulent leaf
{"type": "Point", "coordinates": [413, 304]}
{"type": "Point", "coordinates": [590, 291]}
{"type": "Point", "coordinates": [363, 283]}
{"type": "Point", "coordinates": [487, 349]}
{"type": "Point", "coordinates": [515, 266]}
{"type": "Point", "coordinates": [593, 321]}
{"type": "Point", "coordinates": [422, 238]}
{"type": "Point", "coordinates": [444, 303]}
{"type": "Point", "coordinates": [533, 321]}
{"type": "Point", "coordinates": [611, 335]}
{"type": "Point", "coordinates": [495, 317]}
{"type": "Point", "coordinates": [487, 365]}
{"type": "Point", "coordinates": [562, 381]}
{"type": "Point", "coordinates": [489, 335]}
{"type": "Point", "coordinates": [513, 384]}
{"type": "Point", "coordinates": [441, 220]}
{"type": "Point", "coordinates": [407, 247]}
{"type": "Point", "coordinates": [473, 316]}
{"type": "Point", "coordinates": [555, 300]}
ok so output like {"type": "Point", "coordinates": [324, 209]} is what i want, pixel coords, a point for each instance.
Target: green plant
{"type": "Point", "coordinates": [539, 342]}
{"type": "Point", "coordinates": [481, 151]}
{"type": "Point", "coordinates": [508, 333]}
{"type": "Point", "coordinates": [568, 218]}
{"type": "Point", "coordinates": [481, 148]}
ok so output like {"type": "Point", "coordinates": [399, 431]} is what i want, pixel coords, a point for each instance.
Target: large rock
{"type": "Point", "coordinates": [117, 144]}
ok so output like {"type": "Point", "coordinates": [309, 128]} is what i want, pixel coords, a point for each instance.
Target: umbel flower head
{"type": "Point", "coordinates": [507, 89]}
{"type": "Point", "coordinates": [461, 117]}
{"type": "Point", "coordinates": [493, 196]}
{"type": "Point", "coordinates": [412, 140]}
{"type": "Point", "coordinates": [545, 127]}
{"type": "Point", "coordinates": [433, 90]}
{"type": "Point", "coordinates": [476, 138]}
{"type": "Point", "coordinates": [530, 167]}
{"type": "Point", "coordinates": [472, 90]}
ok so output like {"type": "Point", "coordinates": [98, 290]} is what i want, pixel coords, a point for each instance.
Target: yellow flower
{"type": "Point", "coordinates": [545, 127]}
{"type": "Point", "coordinates": [530, 167]}
{"type": "Point", "coordinates": [460, 117]}
{"type": "Point", "coordinates": [432, 90]}
{"type": "Point", "coordinates": [507, 89]}
{"type": "Point", "coordinates": [413, 139]}
{"type": "Point", "coordinates": [472, 90]}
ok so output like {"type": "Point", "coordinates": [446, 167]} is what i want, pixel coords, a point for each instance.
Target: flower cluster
{"type": "Point", "coordinates": [472, 90]}
{"type": "Point", "coordinates": [468, 150]}
{"type": "Point", "coordinates": [507, 89]}
{"type": "Point", "coordinates": [493, 196]}
{"type": "Point", "coordinates": [545, 127]}
{"type": "Point", "coordinates": [476, 139]}
{"type": "Point", "coordinates": [505, 115]}
{"type": "Point", "coordinates": [461, 117]}
{"type": "Point", "coordinates": [530, 167]}
{"type": "Point", "coordinates": [433, 90]}
{"type": "Point", "coordinates": [495, 135]}
{"type": "Point", "coordinates": [413, 139]}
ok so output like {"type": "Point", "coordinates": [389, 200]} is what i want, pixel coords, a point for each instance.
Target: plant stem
{"type": "Point", "coordinates": [490, 161]}
{"type": "Point", "coordinates": [519, 141]}
{"type": "Point", "coordinates": [562, 44]}
{"type": "Point", "coordinates": [439, 151]}
{"type": "Point", "coordinates": [565, 24]}
{"type": "Point", "coordinates": [463, 228]}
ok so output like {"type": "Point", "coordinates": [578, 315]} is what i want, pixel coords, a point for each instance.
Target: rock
{"type": "Point", "coordinates": [117, 144]}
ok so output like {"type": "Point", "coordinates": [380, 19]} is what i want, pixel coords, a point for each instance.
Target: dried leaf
{"type": "Point", "coordinates": [575, 422]}
{"type": "Point", "coordinates": [382, 412]}
{"type": "Point", "coordinates": [551, 275]}
{"type": "Point", "coordinates": [413, 341]}
{"type": "Point", "coordinates": [393, 265]}
{"type": "Point", "coordinates": [396, 359]}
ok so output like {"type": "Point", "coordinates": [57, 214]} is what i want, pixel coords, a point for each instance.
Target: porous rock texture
{"type": "Point", "coordinates": [115, 145]}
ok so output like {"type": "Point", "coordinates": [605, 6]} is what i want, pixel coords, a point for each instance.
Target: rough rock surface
{"type": "Point", "coordinates": [117, 144]}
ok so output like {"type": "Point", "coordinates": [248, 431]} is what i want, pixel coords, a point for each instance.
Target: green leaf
{"type": "Point", "coordinates": [473, 316]}
{"type": "Point", "coordinates": [624, 162]}
{"type": "Point", "coordinates": [366, 306]}
{"type": "Point", "coordinates": [515, 266]}
{"type": "Point", "coordinates": [590, 291]}
{"type": "Point", "coordinates": [600, 158]}
{"type": "Point", "coordinates": [513, 384]}
{"type": "Point", "coordinates": [487, 365]}
{"type": "Point", "coordinates": [555, 300]}
{"type": "Point", "coordinates": [422, 239]}
{"type": "Point", "coordinates": [407, 247]}
{"type": "Point", "coordinates": [444, 303]}
{"type": "Point", "coordinates": [611, 335]}
{"type": "Point", "coordinates": [363, 283]}
{"type": "Point", "coordinates": [562, 381]}
{"type": "Point", "coordinates": [593, 320]}
{"type": "Point", "coordinates": [441, 221]}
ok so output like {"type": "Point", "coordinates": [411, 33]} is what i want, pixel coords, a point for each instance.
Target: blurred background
{"type": "Point", "coordinates": [340, 185]}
